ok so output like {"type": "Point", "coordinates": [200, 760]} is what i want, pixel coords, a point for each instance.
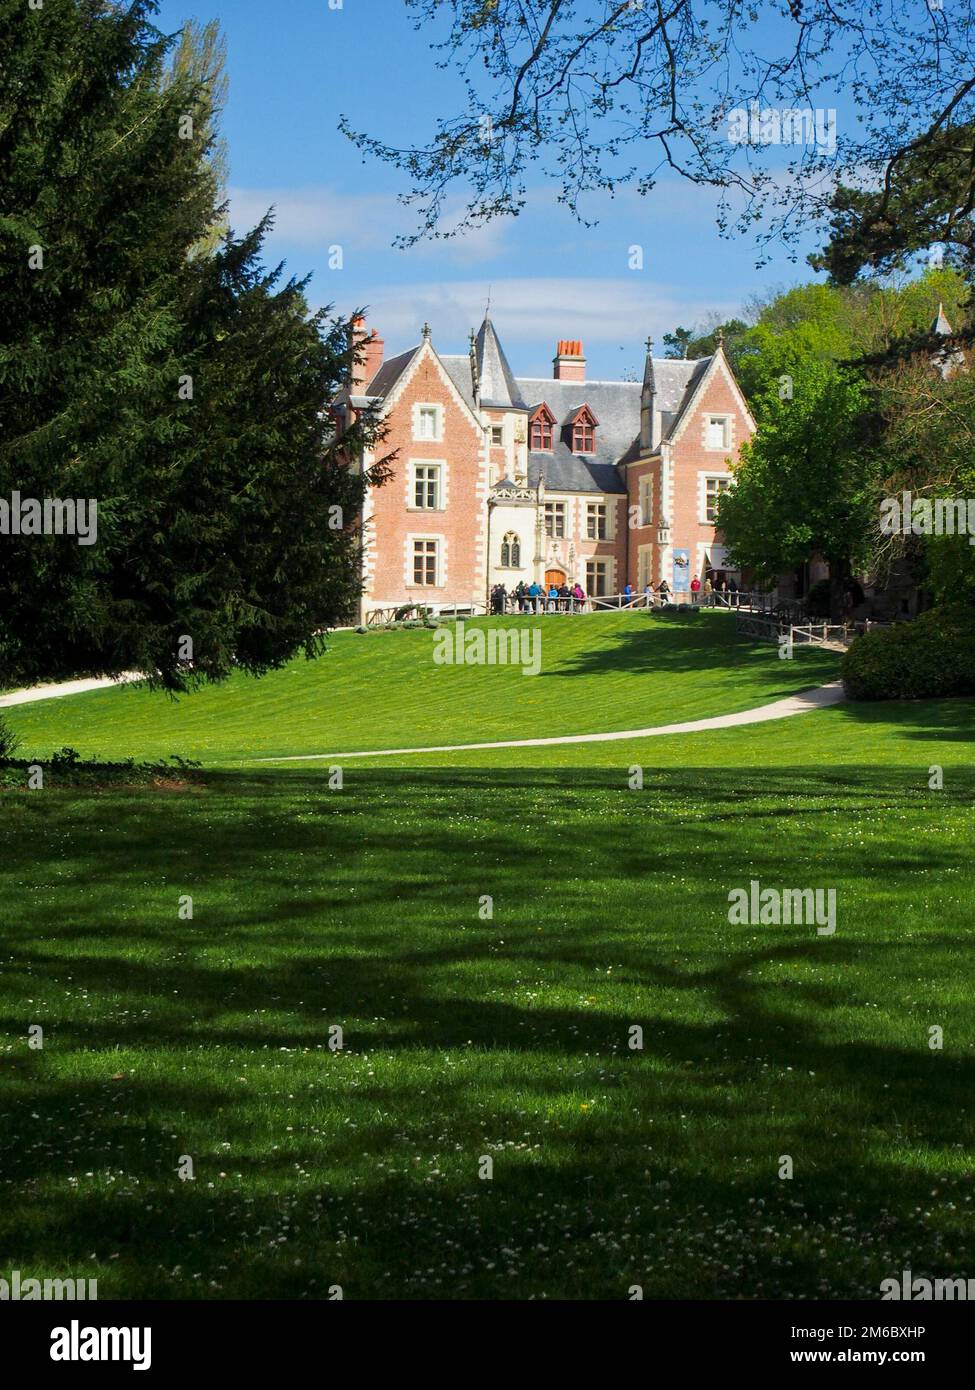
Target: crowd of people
{"type": "Point", "coordinates": [572, 598]}
{"type": "Point", "coordinates": [537, 598]}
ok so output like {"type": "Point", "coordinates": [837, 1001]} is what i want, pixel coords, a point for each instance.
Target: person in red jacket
{"type": "Point", "coordinates": [695, 589]}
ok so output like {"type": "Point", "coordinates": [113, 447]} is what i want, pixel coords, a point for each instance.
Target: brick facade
{"type": "Point", "coordinates": [474, 500]}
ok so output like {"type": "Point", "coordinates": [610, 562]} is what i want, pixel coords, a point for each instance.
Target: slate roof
{"type": "Point", "coordinates": [499, 390]}
{"type": "Point", "coordinates": [675, 381]}
{"type": "Point", "coordinates": [616, 405]}
{"type": "Point", "coordinates": [459, 370]}
{"type": "Point", "coordinates": [390, 372]}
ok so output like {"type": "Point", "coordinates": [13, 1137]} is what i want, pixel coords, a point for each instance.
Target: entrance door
{"type": "Point", "coordinates": [555, 577]}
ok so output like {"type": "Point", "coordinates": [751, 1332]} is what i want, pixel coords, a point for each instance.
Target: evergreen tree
{"type": "Point", "coordinates": [185, 392]}
{"type": "Point", "coordinates": [678, 342]}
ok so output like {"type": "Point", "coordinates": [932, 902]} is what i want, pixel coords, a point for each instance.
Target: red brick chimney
{"type": "Point", "coordinates": [369, 348]}
{"type": "Point", "coordinates": [568, 364]}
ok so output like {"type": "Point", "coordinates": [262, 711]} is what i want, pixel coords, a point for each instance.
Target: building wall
{"type": "Point", "coordinates": [571, 551]}
{"type": "Point", "coordinates": [470, 464]}
{"type": "Point", "coordinates": [679, 477]}
{"type": "Point", "coordinates": [694, 462]}
{"type": "Point", "coordinates": [517, 520]}
{"type": "Point", "coordinates": [643, 538]}
{"type": "Point", "coordinates": [510, 458]}
{"type": "Point", "coordinates": [458, 525]}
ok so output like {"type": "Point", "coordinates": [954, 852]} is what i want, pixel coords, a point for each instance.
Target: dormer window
{"type": "Point", "coordinates": [540, 428]}
{"type": "Point", "coordinates": [583, 424]}
{"type": "Point", "coordinates": [583, 438]}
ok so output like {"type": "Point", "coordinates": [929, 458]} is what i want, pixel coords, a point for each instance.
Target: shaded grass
{"type": "Point", "coordinates": [505, 1037]}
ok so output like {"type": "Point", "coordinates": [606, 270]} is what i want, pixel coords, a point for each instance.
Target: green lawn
{"type": "Point", "coordinates": [911, 735]}
{"type": "Point", "coordinates": [383, 690]}
{"type": "Point", "coordinates": [506, 1037]}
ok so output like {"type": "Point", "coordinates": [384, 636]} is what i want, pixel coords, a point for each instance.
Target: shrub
{"type": "Point", "coordinates": [68, 769]}
{"type": "Point", "coordinates": [932, 657]}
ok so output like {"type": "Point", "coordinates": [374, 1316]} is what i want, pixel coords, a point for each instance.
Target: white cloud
{"type": "Point", "coordinates": [612, 311]}
{"type": "Point", "coordinates": [320, 217]}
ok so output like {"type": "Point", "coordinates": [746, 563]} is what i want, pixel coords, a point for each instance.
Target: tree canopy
{"type": "Point", "coordinates": [178, 383]}
{"type": "Point", "coordinates": [840, 427]}
{"type": "Point", "coordinates": [734, 96]}
{"type": "Point", "coordinates": [807, 484]}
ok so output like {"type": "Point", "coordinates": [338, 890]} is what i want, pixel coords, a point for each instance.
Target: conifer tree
{"type": "Point", "coordinates": [185, 392]}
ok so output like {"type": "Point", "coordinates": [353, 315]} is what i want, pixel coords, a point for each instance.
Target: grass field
{"type": "Point", "coordinates": [506, 1037]}
{"type": "Point", "coordinates": [383, 690]}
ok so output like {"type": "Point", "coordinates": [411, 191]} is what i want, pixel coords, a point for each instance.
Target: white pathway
{"type": "Point", "coordinates": [54, 692]}
{"type": "Point", "coordinates": [817, 698]}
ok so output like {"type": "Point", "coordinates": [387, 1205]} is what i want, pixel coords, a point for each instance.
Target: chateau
{"type": "Point", "coordinates": [502, 479]}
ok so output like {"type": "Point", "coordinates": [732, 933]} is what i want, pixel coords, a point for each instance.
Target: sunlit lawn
{"type": "Point", "coordinates": [383, 690]}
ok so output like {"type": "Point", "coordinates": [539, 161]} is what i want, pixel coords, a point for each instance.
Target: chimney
{"type": "Point", "coordinates": [568, 364]}
{"type": "Point", "coordinates": [368, 348]}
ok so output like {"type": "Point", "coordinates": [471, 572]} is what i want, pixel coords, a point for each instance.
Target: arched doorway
{"type": "Point", "coordinates": [555, 577]}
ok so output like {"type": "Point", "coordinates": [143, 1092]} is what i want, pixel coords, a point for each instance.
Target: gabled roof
{"type": "Point", "coordinates": [458, 368]}
{"type": "Point", "coordinates": [499, 390]}
{"type": "Point", "coordinates": [614, 405]}
{"type": "Point", "coordinates": [390, 372]}
{"type": "Point", "coordinates": [681, 387]}
{"type": "Point", "coordinates": [584, 409]}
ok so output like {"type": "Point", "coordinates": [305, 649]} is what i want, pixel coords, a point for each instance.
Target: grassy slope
{"type": "Point", "coordinates": [506, 1037]}
{"type": "Point", "coordinates": [382, 690]}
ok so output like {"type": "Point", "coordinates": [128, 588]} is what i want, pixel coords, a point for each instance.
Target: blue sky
{"type": "Point", "coordinates": [296, 65]}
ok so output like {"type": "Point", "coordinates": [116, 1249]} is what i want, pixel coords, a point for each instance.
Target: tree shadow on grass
{"type": "Point", "coordinates": [674, 643]}
{"type": "Point", "coordinates": [464, 1036]}
{"type": "Point", "coordinates": [930, 720]}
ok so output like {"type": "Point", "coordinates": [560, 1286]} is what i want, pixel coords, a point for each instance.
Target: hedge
{"type": "Point", "coordinates": [929, 658]}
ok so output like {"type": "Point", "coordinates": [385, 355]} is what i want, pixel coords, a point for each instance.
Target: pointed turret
{"type": "Point", "coordinates": [649, 384]}
{"type": "Point", "coordinates": [475, 379]}
{"type": "Point", "coordinates": [499, 390]}
{"type": "Point", "coordinates": [947, 362]}
{"type": "Point", "coordinates": [646, 399]}
{"type": "Point", "coordinates": [941, 324]}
